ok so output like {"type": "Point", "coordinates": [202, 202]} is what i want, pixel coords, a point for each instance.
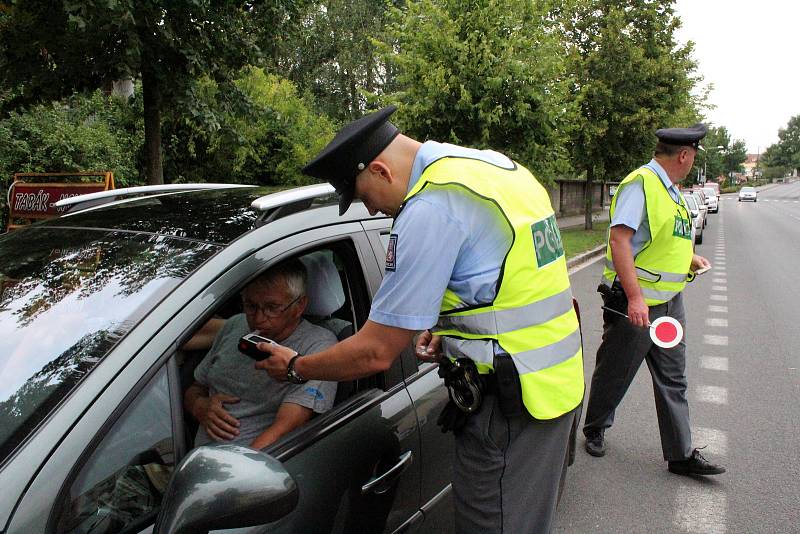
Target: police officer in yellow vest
{"type": "Point", "coordinates": [475, 263]}
{"type": "Point", "coordinates": [649, 259]}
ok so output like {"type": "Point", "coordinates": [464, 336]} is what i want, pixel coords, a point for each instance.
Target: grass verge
{"type": "Point", "coordinates": [577, 240]}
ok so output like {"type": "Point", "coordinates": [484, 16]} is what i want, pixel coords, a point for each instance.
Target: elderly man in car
{"type": "Point", "coordinates": [231, 401]}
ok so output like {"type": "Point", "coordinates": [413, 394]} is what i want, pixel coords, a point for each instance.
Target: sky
{"type": "Point", "coordinates": [749, 51]}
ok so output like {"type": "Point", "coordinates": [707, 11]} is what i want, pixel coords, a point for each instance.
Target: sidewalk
{"type": "Point", "coordinates": [578, 220]}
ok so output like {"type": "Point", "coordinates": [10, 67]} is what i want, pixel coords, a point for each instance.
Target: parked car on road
{"type": "Point", "coordinates": [698, 218]}
{"type": "Point", "coordinates": [748, 193]}
{"type": "Point", "coordinates": [701, 204]}
{"type": "Point", "coordinates": [94, 309]}
{"type": "Point", "coordinates": [712, 199]}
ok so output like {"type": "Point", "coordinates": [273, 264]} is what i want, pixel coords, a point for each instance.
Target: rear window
{"type": "Point", "coordinates": [66, 298]}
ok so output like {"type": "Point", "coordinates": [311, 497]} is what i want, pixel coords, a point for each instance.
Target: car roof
{"type": "Point", "coordinates": [217, 216]}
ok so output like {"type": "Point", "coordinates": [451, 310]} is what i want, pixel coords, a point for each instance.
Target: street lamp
{"type": "Point", "coordinates": [705, 160]}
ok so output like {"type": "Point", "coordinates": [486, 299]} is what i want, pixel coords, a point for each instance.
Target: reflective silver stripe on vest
{"type": "Point", "coordinates": [482, 351]}
{"type": "Point", "coordinates": [534, 360]}
{"type": "Point", "coordinates": [502, 321]}
{"type": "Point", "coordinates": [658, 276]}
{"type": "Point", "coordinates": [478, 350]}
{"type": "Point", "coordinates": [654, 294]}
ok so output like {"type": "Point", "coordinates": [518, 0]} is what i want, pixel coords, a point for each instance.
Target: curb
{"type": "Point", "coordinates": [586, 256]}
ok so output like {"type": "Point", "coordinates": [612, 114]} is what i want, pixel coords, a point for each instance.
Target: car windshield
{"type": "Point", "coordinates": [66, 298]}
{"type": "Point", "coordinates": [748, 190]}
{"type": "Point", "coordinates": [709, 192]}
{"type": "Point", "coordinates": [691, 202]}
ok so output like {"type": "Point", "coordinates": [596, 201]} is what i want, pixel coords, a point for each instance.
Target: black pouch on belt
{"type": "Point", "coordinates": [509, 389]}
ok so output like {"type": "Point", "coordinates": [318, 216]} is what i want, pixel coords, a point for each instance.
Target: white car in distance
{"type": "Point", "coordinates": [748, 193]}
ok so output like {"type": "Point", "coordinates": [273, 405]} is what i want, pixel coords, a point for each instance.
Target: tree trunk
{"type": "Point", "coordinates": [587, 198]}
{"type": "Point", "coordinates": [151, 93]}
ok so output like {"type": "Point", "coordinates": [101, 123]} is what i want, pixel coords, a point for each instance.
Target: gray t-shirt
{"type": "Point", "coordinates": [226, 370]}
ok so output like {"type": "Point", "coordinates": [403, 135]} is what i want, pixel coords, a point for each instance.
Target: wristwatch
{"type": "Point", "coordinates": [292, 375]}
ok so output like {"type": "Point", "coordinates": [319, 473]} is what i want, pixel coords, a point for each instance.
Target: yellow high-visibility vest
{"type": "Point", "coordinates": [532, 316]}
{"type": "Point", "coordinates": [662, 266]}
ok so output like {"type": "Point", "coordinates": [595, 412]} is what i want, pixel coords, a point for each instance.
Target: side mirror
{"type": "Point", "coordinates": [694, 215]}
{"type": "Point", "coordinates": [225, 486]}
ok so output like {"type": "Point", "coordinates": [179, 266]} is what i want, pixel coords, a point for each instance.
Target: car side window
{"type": "Point", "coordinates": [120, 487]}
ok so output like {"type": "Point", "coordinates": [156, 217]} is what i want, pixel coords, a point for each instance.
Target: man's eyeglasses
{"type": "Point", "coordinates": [267, 310]}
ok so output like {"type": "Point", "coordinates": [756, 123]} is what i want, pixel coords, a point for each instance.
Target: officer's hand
{"type": "Point", "coordinates": [429, 347]}
{"type": "Point", "coordinates": [638, 312]}
{"type": "Point", "coordinates": [699, 262]}
{"type": "Point", "coordinates": [215, 419]}
{"type": "Point", "coordinates": [278, 360]}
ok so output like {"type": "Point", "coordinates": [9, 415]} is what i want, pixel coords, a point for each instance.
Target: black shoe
{"type": "Point", "coordinates": [595, 444]}
{"type": "Point", "coordinates": [695, 465]}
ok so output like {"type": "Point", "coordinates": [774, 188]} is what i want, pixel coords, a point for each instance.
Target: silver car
{"type": "Point", "coordinates": [94, 309]}
{"type": "Point", "coordinates": [748, 193]}
{"type": "Point", "coordinates": [698, 217]}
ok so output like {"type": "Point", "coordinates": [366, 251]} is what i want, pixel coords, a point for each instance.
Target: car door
{"type": "Point", "coordinates": [429, 396]}
{"type": "Point", "coordinates": [356, 467]}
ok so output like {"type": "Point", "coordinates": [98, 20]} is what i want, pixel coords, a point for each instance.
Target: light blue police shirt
{"type": "Point", "coordinates": [631, 209]}
{"type": "Point", "coordinates": [444, 238]}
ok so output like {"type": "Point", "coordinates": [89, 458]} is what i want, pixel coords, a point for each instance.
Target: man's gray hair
{"type": "Point", "coordinates": [292, 271]}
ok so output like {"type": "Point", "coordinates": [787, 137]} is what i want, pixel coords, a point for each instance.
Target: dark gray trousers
{"type": "Point", "coordinates": [619, 357]}
{"type": "Point", "coordinates": [508, 470]}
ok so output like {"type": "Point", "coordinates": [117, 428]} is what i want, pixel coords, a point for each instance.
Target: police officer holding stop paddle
{"type": "Point", "coordinates": [649, 260]}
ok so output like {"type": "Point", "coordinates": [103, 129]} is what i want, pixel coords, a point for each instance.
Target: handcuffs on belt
{"type": "Point", "coordinates": [463, 383]}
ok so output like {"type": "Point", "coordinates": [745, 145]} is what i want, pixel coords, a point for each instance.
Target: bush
{"type": "Point", "coordinates": [265, 139]}
{"type": "Point", "coordinates": [79, 134]}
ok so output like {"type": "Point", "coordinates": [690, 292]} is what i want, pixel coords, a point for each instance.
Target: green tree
{"type": "Point", "coordinates": [629, 78]}
{"type": "Point", "coordinates": [481, 73]}
{"type": "Point", "coordinates": [52, 49]}
{"type": "Point", "coordinates": [786, 152]}
{"type": "Point", "coordinates": [265, 142]}
{"type": "Point", "coordinates": [330, 53]}
{"type": "Point", "coordinates": [716, 161]}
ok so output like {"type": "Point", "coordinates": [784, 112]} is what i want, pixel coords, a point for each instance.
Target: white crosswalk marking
{"type": "Point", "coordinates": [720, 280]}
{"type": "Point", "coordinates": [720, 298]}
{"type": "Point", "coordinates": [715, 340]}
{"type": "Point", "coordinates": [716, 321]}
{"type": "Point", "coordinates": [717, 309]}
{"type": "Point", "coordinates": [701, 508]}
{"type": "Point", "coordinates": [712, 394]}
{"type": "Point", "coordinates": [719, 288]}
{"type": "Point", "coordinates": [714, 363]}
{"type": "Point", "coordinates": [716, 441]}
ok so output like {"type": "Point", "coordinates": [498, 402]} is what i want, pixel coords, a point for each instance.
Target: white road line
{"type": "Point", "coordinates": [714, 363]}
{"type": "Point", "coordinates": [717, 309]}
{"type": "Point", "coordinates": [716, 321]}
{"type": "Point", "coordinates": [700, 508]}
{"type": "Point", "coordinates": [721, 263]}
{"type": "Point", "coordinates": [712, 394]}
{"type": "Point", "coordinates": [715, 440]}
{"type": "Point", "coordinates": [720, 280]}
{"type": "Point", "coordinates": [719, 298]}
{"type": "Point", "coordinates": [719, 288]}
{"type": "Point", "coordinates": [715, 340]}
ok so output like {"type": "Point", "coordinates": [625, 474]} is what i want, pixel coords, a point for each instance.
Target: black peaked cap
{"type": "Point", "coordinates": [683, 136]}
{"type": "Point", "coordinates": [353, 148]}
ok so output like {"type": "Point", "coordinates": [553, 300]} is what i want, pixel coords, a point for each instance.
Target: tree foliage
{"type": "Point", "coordinates": [74, 134]}
{"type": "Point", "coordinates": [716, 161]}
{"type": "Point", "coordinates": [629, 78]}
{"type": "Point", "coordinates": [267, 141]}
{"type": "Point", "coordinates": [786, 152]}
{"type": "Point", "coordinates": [330, 53]}
{"type": "Point", "coordinates": [50, 50]}
{"type": "Point", "coordinates": [482, 73]}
